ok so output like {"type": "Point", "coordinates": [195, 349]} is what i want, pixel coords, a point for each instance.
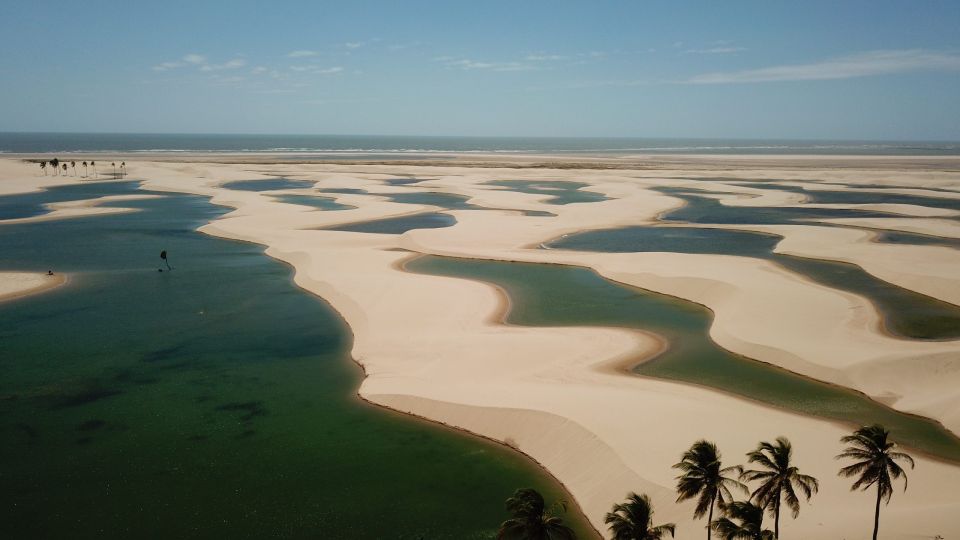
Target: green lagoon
{"type": "Point", "coordinates": [554, 295]}
{"type": "Point", "coordinates": [216, 400]}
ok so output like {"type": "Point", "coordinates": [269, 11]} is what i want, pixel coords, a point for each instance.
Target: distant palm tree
{"type": "Point", "coordinates": [532, 520]}
{"type": "Point", "coordinates": [633, 520]}
{"type": "Point", "coordinates": [85, 169]}
{"type": "Point", "coordinates": [876, 464]}
{"type": "Point", "coordinates": [64, 169]}
{"type": "Point", "coordinates": [73, 166]}
{"type": "Point", "coordinates": [93, 164]}
{"type": "Point", "coordinates": [706, 479]}
{"type": "Point", "coordinates": [744, 521]}
{"type": "Point", "coordinates": [114, 169]}
{"type": "Point", "coordinates": [43, 167]}
{"type": "Point", "coordinates": [56, 165]}
{"type": "Point", "coordinates": [780, 480]}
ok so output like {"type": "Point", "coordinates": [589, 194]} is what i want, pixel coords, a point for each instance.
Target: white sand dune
{"type": "Point", "coordinates": [437, 346]}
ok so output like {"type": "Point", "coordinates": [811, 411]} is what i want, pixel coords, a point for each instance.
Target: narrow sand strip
{"type": "Point", "coordinates": [20, 284]}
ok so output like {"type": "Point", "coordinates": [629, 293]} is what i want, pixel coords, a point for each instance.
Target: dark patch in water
{"type": "Point", "coordinates": [245, 434]}
{"type": "Point", "coordinates": [28, 430]}
{"type": "Point", "coordinates": [85, 397]}
{"type": "Point", "coordinates": [402, 181]}
{"type": "Point", "coordinates": [250, 409]}
{"type": "Point", "coordinates": [167, 353]}
{"type": "Point", "coordinates": [349, 191]}
{"type": "Point", "coordinates": [91, 425]}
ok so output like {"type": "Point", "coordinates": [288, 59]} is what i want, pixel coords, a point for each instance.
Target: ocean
{"type": "Point", "coordinates": [350, 146]}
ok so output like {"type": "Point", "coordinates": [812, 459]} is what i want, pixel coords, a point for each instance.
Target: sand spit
{"type": "Point", "coordinates": [435, 346]}
{"type": "Point", "coordinates": [20, 284]}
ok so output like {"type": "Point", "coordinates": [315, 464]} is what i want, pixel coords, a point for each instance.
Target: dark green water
{"type": "Point", "coordinates": [140, 404]}
{"type": "Point", "coordinates": [32, 204]}
{"type": "Point", "coordinates": [323, 203]}
{"type": "Point", "coordinates": [553, 295]}
{"type": "Point", "coordinates": [906, 313]}
{"type": "Point", "coordinates": [268, 184]}
{"type": "Point", "coordinates": [402, 181]}
{"type": "Point", "coordinates": [399, 225]}
{"type": "Point", "coordinates": [862, 197]}
{"type": "Point", "coordinates": [706, 210]}
{"type": "Point", "coordinates": [560, 191]}
{"type": "Point", "coordinates": [450, 201]}
{"type": "Point", "coordinates": [345, 191]}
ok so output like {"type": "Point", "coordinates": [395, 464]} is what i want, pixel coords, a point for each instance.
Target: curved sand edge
{"type": "Point", "coordinates": [15, 285]}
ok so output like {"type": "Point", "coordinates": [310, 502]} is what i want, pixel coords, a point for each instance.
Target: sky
{"type": "Point", "coordinates": [849, 69]}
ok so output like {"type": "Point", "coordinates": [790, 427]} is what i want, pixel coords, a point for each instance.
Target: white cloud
{"type": "Point", "coordinates": [164, 66]}
{"type": "Point", "coordinates": [723, 49]}
{"type": "Point", "coordinates": [354, 44]}
{"type": "Point", "coordinates": [317, 69]}
{"type": "Point", "coordinates": [195, 59]}
{"type": "Point", "coordinates": [302, 53]}
{"type": "Point", "coordinates": [846, 67]}
{"type": "Point", "coordinates": [544, 57]}
{"type": "Point", "coordinates": [467, 64]}
{"type": "Point", "coordinates": [231, 64]}
{"type": "Point", "coordinates": [259, 70]}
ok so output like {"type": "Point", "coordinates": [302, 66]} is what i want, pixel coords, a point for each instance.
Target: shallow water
{"type": "Point", "coordinates": [136, 403]}
{"type": "Point", "coordinates": [32, 204]}
{"type": "Point", "coordinates": [553, 295]}
{"type": "Point", "coordinates": [906, 313]}
{"type": "Point", "coordinates": [322, 203]}
{"type": "Point", "coordinates": [560, 191]}
{"type": "Point", "coordinates": [399, 225]}
{"type": "Point", "coordinates": [268, 184]}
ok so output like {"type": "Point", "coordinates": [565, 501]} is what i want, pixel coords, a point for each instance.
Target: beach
{"type": "Point", "coordinates": [444, 349]}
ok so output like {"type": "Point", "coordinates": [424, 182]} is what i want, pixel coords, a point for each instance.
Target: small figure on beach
{"type": "Point", "coordinates": [49, 272]}
{"type": "Point", "coordinates": [163, 255]}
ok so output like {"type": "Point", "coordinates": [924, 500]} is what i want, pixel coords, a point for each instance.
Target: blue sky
{"type": "Point", "coordinates": [765, 69]}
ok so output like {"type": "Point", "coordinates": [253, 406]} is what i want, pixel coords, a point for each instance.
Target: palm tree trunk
{"type": "Point", "coordinates": [710, 517]}
{"type": "Point", "coordinates": [776, 521]}
{"type": "Point", "coordinates": [876, 516]}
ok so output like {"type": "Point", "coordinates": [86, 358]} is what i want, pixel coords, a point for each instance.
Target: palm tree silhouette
{"type": "Point", "coordinates": [84, 169]}
{"type": "Point", "coordinates": [55, 163]}
{"type": "Point", "coordinates": [94, 165]}
{"type": "Point", "coordinates": [532, 520]}
{"type": "Point", "coordinates": [706, 479]}
{"type": "Point", "coordinates": [876, 464]}
{"type": "Point", "coordinates": [64, 169]}
{"type": "Point", "coordinates": [633, 520]}
{"type": "Point", "coordinates": [123, 168]}
{"type": "Point", "coordinates": [779, 480]}
{"type": "Point", "coordinates": [114, 168]}
{"type": "Point", "coordinates": [744, 521]}
{"type": "Point", "coordinates": [43, 167]}
{"type": "Point", "coordinates": [73, 166]}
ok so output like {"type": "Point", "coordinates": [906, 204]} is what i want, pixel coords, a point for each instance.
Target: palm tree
{"type": "Point", "coordinates": [123, 168]}
{"type": "Point", "coordinates": [93, 164]}
{"type": "Point", "coordinates": [73, 165]}
{"type": "Point", "coordinates": [56, 165]}
{"type": "Point", "coordinates": [84, 169]}
{"type": "Point", "coordinates": [748, 524]}
{"type": "Point", "coordinates": [876, 464]}
{"type": "Point", "coordinates": [114, 168]}
{"type": "Point", "coordinates": [633, 520]}
{"type": "Point", "coordinates": [64, 169]}
{"type": "Point", "coordinates": [43, 167]}
{"type": "Point", "coordinates": [532, 520]}
{"type": "Point", "coordinates": [706, 479]}
{"type": "Point", "coordinates": [779, 480]}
